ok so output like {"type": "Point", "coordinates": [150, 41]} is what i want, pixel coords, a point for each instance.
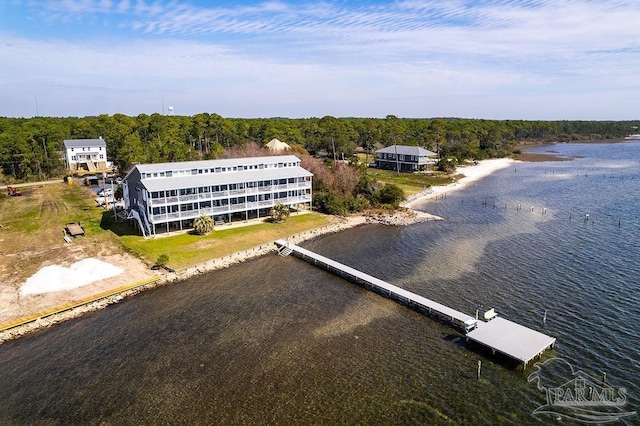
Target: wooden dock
{"type": "Point", "coordinates": [498, 334]}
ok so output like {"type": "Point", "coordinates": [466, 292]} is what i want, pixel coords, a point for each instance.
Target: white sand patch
{"type": "Point", "coordinates": [58, 278]}
{"type": "Point", "coordinates": [472, 173]}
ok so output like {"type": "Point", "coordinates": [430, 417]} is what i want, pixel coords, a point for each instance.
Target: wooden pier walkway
{"type": "Point", "coordinates": [498, 334]}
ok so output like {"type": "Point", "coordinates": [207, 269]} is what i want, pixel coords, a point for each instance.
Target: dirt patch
{"type": "Point", "coordinates": [52, 206]}
{"type": "Point", "coordinates": [204, 244]}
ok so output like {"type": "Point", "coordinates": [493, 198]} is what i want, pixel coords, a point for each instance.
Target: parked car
{"type": "Point", "coordinates": [105, 192]}
{"type": "Point", "coordinates": [101, 201]}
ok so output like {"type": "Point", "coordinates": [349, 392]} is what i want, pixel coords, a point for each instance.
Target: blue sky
{"type": "Point", "coordinates": [495, 59]}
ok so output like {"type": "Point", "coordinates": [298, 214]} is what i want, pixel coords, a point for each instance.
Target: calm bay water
{"type": "Point", "coordinates": [277, 341]}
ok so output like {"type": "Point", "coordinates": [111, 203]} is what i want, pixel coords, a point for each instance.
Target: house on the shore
{"type": "Point", "coordinates": [85, 154]}
{"type": "Point", "coordinates": [405, 158]}
{"type": "Point", "coordinates": [167, 197]}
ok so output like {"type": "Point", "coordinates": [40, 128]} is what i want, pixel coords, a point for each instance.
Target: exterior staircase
{"type": "Point", "coordinates": [284, 251]}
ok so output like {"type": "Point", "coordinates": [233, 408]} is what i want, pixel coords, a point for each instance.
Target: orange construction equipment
{"type": "Point", "coordinates": [11, 191]}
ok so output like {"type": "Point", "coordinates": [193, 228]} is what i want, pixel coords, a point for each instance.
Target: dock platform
{"type": "Point", "coordinates": [511, 339]}
{"type": "Point", "coordinates": [500, 335]}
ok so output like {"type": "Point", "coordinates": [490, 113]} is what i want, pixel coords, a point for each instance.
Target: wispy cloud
{"type": "Point", "coordinates": [375, 59]}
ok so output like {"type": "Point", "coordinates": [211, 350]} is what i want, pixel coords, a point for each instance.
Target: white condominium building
{"type": "Point", "coordinates": [167, 197]}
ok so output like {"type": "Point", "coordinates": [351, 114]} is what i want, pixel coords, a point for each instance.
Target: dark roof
{"type": "Point", "coordinates": [407, 150]}
{"type": "Point", "coordinates": [79, 143]}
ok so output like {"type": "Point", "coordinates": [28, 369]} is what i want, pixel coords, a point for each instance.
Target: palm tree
{"type": "Point", "coordinates": [203, 224]}
{"type": "Point", "coordinates": [280, 212]}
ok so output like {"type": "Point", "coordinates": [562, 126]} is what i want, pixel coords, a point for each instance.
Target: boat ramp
{"type": "Point", "coordinates": [498, 334]}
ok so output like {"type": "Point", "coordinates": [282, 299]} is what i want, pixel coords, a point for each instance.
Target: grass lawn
{"type": "Point", "coordinates": [32, 227]}
{"type": "Point", "coordinates": [190, 249]}
{"type": "Point", "coordinates": [412, 183]}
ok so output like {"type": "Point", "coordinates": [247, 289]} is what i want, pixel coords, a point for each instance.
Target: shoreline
{"type": "Point", "coordinates": [472, 174]}
{"type": "Point", "coordinates": [407, 216]}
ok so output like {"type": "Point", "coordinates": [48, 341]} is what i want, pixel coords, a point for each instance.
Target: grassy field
{"type": "Point", "coordinates": [32, 230]}
{"type": "Point", "coordinates": [32, 227]}
{"type": "Point", "coordinates": [189, 249]}
{"type": "Point", "coordinates": [412, 183]}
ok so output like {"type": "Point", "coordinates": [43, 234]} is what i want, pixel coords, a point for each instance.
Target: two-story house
{"type": "Point", "coordinates": [87, 154]}
{"type": "Point", "coordinates": [405, 158]}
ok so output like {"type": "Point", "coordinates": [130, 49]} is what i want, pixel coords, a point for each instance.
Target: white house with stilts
{"type": "Point", "coordinates": [85, 154]}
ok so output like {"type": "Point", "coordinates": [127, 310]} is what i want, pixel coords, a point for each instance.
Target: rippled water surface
{"type": "Point", "coordinates": [277, 341]}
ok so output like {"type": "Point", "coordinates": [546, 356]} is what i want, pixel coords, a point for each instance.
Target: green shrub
{"type": "Point", "coordinates": [162, 260]}
{"type": "Point", "coordinates": [391, 194]}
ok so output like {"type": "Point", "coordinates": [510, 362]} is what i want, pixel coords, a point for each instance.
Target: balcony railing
{"type": "Point", "coordinates": [229, 208]}
{"type": "Point", "coordinates": [226, 194]}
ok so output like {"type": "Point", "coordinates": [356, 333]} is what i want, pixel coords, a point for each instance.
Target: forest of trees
{"type": "Point", "coordinates": [30, 148]}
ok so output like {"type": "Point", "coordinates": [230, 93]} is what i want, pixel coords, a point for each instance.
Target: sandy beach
{"type": "Point", "coordinates": [16, 305]}
{"type": "Point", "coordinates": [472, 173]}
